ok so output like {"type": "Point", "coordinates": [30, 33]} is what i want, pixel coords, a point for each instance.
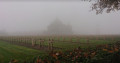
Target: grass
{"type": "Point", "coordinates": [8, 52]}
{"type": "Point", "coordinates": [81, 43]}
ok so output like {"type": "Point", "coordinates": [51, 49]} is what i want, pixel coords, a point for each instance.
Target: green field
{"type": "Point", "coordinates": [9, 51]}
{"type": "Point", "coordinates": [81, 43]}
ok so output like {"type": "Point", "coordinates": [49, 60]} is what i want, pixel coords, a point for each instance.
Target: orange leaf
{"type": "Point", "coordinates": [54, 55]}
{"type": "Point", "coordinates": [86, 55]}
{"type": "Point", "coordinates": [15, 61]}
{"type": "Point", "coordinates": [39, 61]}
{"type": "Point", "coordinates": [93, 54]}
{"type": "Point", "coordinates": [111, 51]}
{"type": "Point", "coordinates": [105, 50]}
{"type": "Point", "coordinates": [116, 49]}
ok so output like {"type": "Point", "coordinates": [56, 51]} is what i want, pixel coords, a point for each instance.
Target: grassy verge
{"type": "Point", "coordinates": [8, 52]}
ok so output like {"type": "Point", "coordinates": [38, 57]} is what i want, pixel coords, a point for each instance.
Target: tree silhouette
{"type": "Point", "coordinates": [59, 28]}
{"type": "Point", "coordinates": [108, 5]}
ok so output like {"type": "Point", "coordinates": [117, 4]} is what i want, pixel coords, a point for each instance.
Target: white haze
{"type": "Point", "coordinates": [20, 17]}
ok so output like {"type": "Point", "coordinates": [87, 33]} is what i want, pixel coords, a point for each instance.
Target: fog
{"type": "Point", "coordinates": [35, 17]}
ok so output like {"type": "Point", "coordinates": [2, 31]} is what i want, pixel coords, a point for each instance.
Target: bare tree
{"type": "Point", "coordinates": [107, 5]}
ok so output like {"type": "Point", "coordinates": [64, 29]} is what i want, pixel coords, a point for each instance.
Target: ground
{"type": "Point", "coordinates": [9, 51]}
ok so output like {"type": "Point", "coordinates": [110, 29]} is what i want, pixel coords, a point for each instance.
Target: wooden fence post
{"type": "Point", "coordinates": [33, 42]}
{"type": "Point", "coordinates": [71, 39]}
{"type": "Point", "coordinates": [51, 45]}
{"type": "Point", "coordinates": [112, 39]}
{"type": "Point", "coordinates": [96, 37]}
{"type": "Point", "coordinates": [104, 38]}
{"type": "Point", "coordinates": [87, 40]}
{"type": "Point", "coordinates": [40, 43]}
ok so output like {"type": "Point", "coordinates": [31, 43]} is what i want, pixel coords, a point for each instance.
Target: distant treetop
{"type": "Point", "coordinates": [58, 28]}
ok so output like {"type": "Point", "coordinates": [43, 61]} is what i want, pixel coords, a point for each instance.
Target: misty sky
{"type": "Point", "coordinates": [36, 16]}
